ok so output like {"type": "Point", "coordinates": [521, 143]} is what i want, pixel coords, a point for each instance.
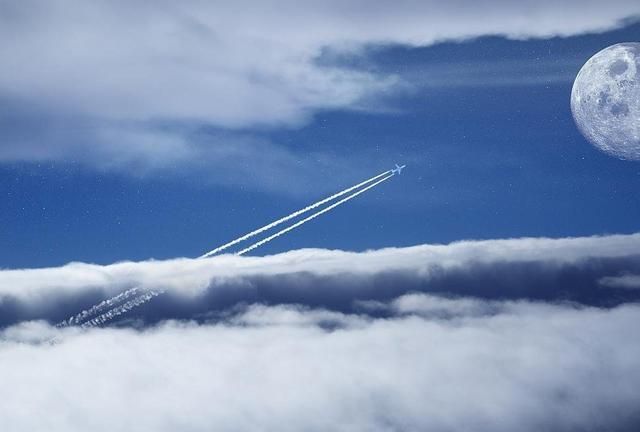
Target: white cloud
{"type": "Point", "coordinates": [91, 73]}
{"type": "Point", "coordinates": [534, 367]}
{"type": "Point", "coordinates": [244, 63]}
{"type": "Point", "coordinates": [257, 352]}
{"type": "Point", "coordinates": [629, 281]}
{"type": "Point", "coordinates": [517, 268]}
{"type": "Point", "coordinates": [211, 158]}
{"type": "Point", "coordinates": [293, 316]}
{"type": "Point", "coordinates": [186, 275]}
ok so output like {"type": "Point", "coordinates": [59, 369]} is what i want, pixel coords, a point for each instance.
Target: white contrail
{"type": "Point", "coordinates": [116, 311]}
{"type": "Point", "coordinates": [313, 216]}
{"type": "Point", "coordinates": [291, 216]}
{"type": "Point", "coordinates": [100, 307]}
{"type": "Point", "coordinates": [123, 308]}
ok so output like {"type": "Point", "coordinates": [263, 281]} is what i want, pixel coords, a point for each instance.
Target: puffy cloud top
{"type": "Point", "coordinates": [570, 269]}
{"type": "Point", "coordinates": [498, 335]}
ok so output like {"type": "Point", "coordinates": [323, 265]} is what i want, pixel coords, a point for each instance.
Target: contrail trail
{"type": "Point", "coordinates": [118, 300]}
{"type": "Point", "coordinates": [291, 216]}
{"type": "Point", "coordinates": [110, 308]}
{"type": "Point", "coordinates": [114, 301]}
{"type": "Point", "coordinates": [313, 216]}
{"type": "Point", "coordinates": [123, 308]}
{"type": "Point", "coordinates": [100, 307]}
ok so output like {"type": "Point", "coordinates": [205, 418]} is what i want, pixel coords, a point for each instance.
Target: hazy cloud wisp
{"type": "Point", "coordinates": [106, 81]}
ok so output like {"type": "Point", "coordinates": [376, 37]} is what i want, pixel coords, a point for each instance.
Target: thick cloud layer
{"type": "Point", "coordinates": [501, 335]}
{"type": "Point", "coordinates": [571, 269]}
{"type": "Point", "coordinates": [433, 364]}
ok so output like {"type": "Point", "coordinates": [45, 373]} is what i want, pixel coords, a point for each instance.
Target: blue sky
{"type": "Point", "coordinates": [484, 126]}
{"type": "Point", "coordinates": [493, 286]}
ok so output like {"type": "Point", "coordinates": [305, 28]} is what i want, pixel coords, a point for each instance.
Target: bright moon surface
{"type": "Point", "coordinates": [605, 100]}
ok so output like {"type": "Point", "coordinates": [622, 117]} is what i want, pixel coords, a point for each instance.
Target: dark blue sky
{"type": "Point", "coordinates": [484, 126]}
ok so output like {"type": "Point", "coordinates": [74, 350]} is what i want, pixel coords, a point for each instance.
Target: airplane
{"type": "Point", "coordinates": [397, 169]}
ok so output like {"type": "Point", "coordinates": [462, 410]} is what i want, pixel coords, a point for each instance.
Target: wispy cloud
{"type": "Point", "coordinates": [221, 64]}
{"type": "Point", "coordinates": [103, 80]}
{"type": "Point", "coordinates": [627, 281]}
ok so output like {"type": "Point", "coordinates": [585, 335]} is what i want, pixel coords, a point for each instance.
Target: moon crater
{"type": "Point", "coordinates": [605, 100]}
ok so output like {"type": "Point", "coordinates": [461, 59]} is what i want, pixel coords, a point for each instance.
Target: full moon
{"type": "Point", "coordinates": [605, 100]}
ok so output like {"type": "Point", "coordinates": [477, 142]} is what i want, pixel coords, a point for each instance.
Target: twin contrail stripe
{"type": "Point", "coordinates": [100, 307]}
{"type": "Point", "coordinates": [121, 309]}
{"type": "Point", "coordinates": [134, 297]}
{"type": "Point", "coordinates": [313, 216]}
{"type": "Point", "coordinates": [291, 216]}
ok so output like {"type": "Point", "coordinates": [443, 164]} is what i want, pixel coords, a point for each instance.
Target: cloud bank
{"type": "Point", "coordinates": [570, 269]}
{"type": "Point", "coordinates": [525, 366]}
{"type": "Point", "coordinates": [499, 335]}
{"type": "Point", "coordinates": [131, 86]}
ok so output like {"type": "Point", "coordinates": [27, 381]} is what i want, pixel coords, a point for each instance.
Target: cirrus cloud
{"type": "Point", "coordinates": [130, 86]}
